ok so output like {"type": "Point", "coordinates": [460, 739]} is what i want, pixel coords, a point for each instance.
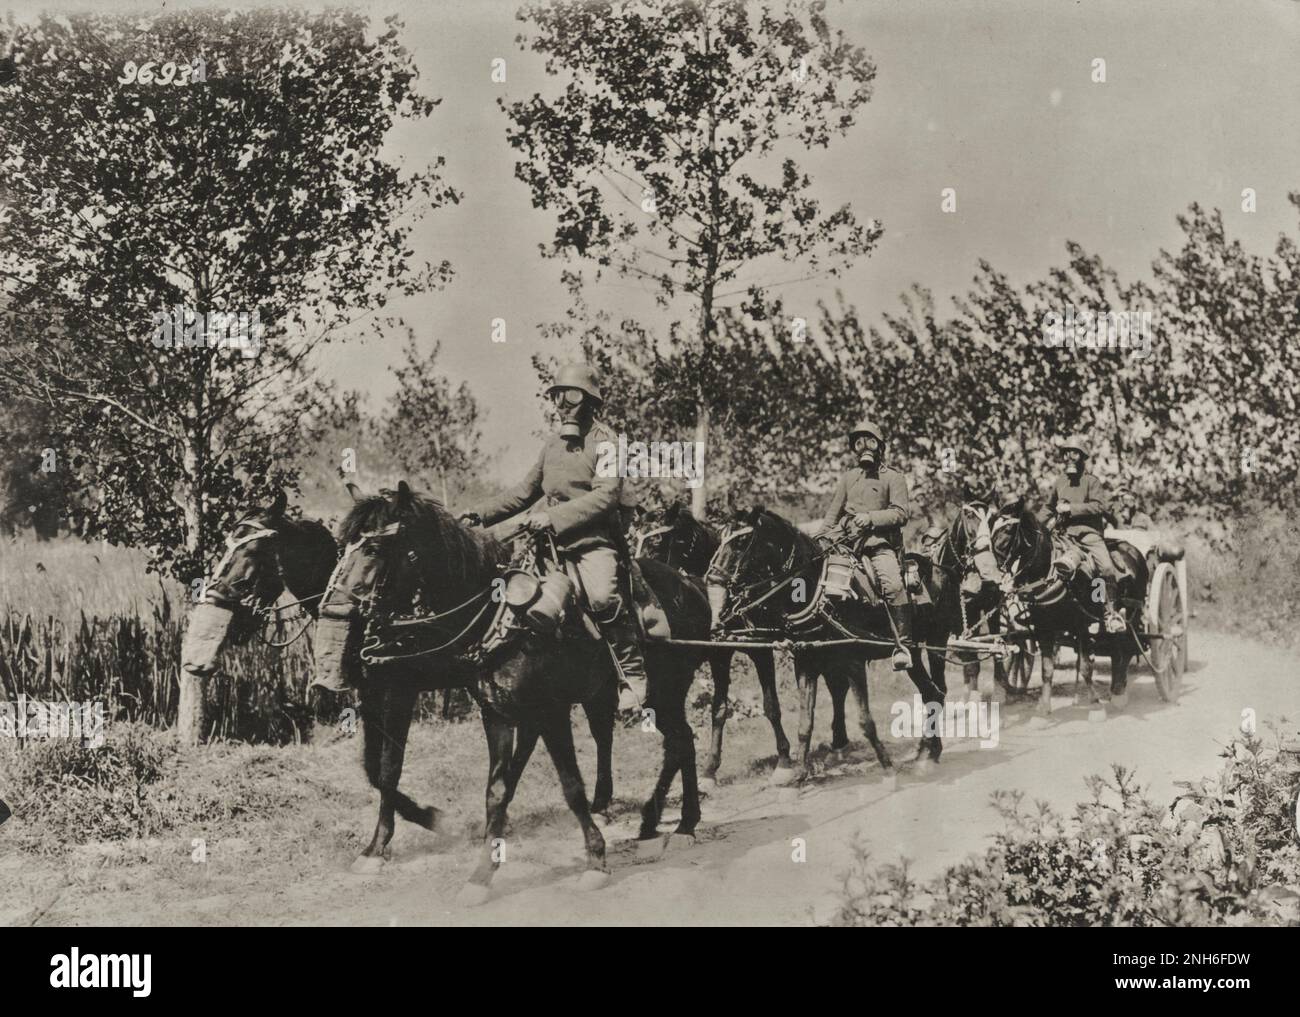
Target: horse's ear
{"type": "Point", "coordinates": [404, 495]}
{"type": "Point", "coordinates": [278, 504]}
{"type": "Point", "coordinates": [755, 514]}
{"type": "Point", "coordinates": [354, 491]}
{"type": "Point", "coordinates": [673, 511]}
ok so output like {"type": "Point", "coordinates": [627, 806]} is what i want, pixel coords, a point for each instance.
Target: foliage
{"type": "Point", "coordinates": [258, 189]}
{"type": "Point", "coordinates": [1222, 854]}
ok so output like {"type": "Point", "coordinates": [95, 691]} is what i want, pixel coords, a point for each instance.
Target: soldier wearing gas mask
{"type": "Point", "coordinates": [581, 510]}
{"type": "Point", "coordinates": [873, 497]}
{"type": "Point", "coordinates": [1080, 503]}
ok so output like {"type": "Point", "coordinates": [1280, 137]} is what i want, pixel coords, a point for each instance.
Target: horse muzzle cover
{"type": "Point", "coordinates": [336, 647]}
{"type": "Point", "coordinates": [205, 635]}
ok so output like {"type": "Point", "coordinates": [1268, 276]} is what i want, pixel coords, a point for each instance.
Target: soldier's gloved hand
{"type": "Point", "coordinates": [1063, 509]}
{"type": "Point", "coordinates": [538, 522]}
{"type": "Point", "coordinates": [863, 521]}
{"type": "Point", "coordinates": [471, 518]}
{"type": "Point", "coordinates": [1006, 583]}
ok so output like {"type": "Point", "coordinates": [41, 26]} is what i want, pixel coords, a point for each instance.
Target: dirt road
{"type": "Point", "coordinates": [742, 867]}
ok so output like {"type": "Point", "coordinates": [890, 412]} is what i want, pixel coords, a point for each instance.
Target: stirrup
{"type": "Point", "coordinates": [902, 658]}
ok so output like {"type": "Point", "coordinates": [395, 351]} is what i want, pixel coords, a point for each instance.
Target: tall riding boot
{"type": "Point", "coordinates": [624, 644]}
{"type": "Point", "coordinates": [903, 622]}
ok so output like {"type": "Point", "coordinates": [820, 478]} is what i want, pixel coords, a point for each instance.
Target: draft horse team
{"type": "Point", "coordinates": [560, 612]}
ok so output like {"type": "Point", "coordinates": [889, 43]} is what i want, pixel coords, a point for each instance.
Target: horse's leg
{"type": "Point", "coordinates": [679, 743]}
{"type": "Point", "coordinates": [806, 674]}
{"type": "Point", "coordinates": [526, 736]}
{"type": "Point", "coordinates": [386, 721]}
{"type": "Point", "coordinates": [1084, 692]}
{"type": "Point", "coordinates": [1119, 676]}
{"type": "Point", "coordinates": [765, 665]}
{"type": "Point", "coordinates": [930, 747]}
{"type": "Point", "coordinates": [837, 684]}
{"type": "Point", "coordinates": [558, 736]}
{"type": "Point", "coordinates": [500, 786]}
{"type": "Point", "coordinates": [1047, 648]}
{"type": "Point", "coordinates": [600, 711]}
{"type": "Point", "coordinates": [855, 674]}
{"type": "Point", "coordinates": [720, 668]}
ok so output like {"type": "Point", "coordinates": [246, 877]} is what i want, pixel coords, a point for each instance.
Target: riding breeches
{"type": "Point", "coordinates": [1095, 545]}
{"type": "Point", "coordinates": [598, 570]}
{"type": "Point", "coordinates": [884, 561]}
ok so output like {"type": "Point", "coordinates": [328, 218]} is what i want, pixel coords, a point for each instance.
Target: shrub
{"type": "Point", "coordinates": [1223, 853]}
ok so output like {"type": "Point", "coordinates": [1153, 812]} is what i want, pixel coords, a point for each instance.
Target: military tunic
{"type": "Point", "coordinates": [1088, 502]}
{"type": "Point", "coordinates": [583, 507]}
{"type": "Point", "coordinates": [881, 495]}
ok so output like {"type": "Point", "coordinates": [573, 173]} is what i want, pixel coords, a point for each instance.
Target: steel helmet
{"type": "Point", "coordinates": [867, 427]}
{"type": "Point", "coordinates": [1078, 442]}
{"type": "Point", "coordinates": [579, 376]}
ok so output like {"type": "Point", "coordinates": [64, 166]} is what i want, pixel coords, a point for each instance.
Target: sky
{"type": "Point", "coordinates": [995, 100]}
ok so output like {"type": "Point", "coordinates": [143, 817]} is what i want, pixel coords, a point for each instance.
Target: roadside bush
{"type": "Point", "coordinates": [1223, 853]}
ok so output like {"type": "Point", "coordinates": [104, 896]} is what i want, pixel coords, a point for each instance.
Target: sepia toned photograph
{"type": "Point", "coordinates": [671, 463]}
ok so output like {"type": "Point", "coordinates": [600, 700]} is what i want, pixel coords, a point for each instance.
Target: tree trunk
{"type": "Point", "coordinates": [700, 495]}
{"type": "Point", "coordinates": [189, 713]}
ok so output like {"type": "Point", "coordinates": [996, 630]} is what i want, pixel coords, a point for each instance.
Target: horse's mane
{"type": "Point", "coordinates": [801, 540]}
{"type": "Point", "coordinates": [464, 552]}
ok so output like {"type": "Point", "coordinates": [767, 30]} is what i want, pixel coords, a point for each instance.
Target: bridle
{"type": "Point", "coordinates": [741, 596]}
{"type": "Point", "coordinates": [373, 650]}
{"type": "Point", "coordinates": [644, 535]}
{"type": "Point", "coordinates": [248, 598]}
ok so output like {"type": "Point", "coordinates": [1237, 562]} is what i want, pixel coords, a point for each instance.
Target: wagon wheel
{"type": "Point", "coordinates": [1021, 668]}
{"type": "Point", "coordinates": [1166, 619]}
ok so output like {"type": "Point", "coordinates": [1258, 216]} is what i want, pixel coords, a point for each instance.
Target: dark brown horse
{"type": "Point", "coordinates": [676, 538]}
{"type": "Point", "coordinates": [960, 576]}
{"type": "Point", "coordinates": [406, 558]}
{"type": "Point", "coordinates": [267, 553]}
{"type": "Point", "coordinates": [1062, 606]}
{"type": "Point", "coordinates": [766, 573]}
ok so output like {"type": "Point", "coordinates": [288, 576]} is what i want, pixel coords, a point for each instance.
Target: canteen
{"type": "Point", "coordinates": [555, 597]}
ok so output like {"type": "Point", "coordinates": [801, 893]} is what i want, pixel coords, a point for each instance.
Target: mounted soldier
{"type": "Point", "coordinates": [582, 512]}
{"type": "Point", "coordinates": [1081, 503]}
{"type": "Point", "coordinates": [871, 502]}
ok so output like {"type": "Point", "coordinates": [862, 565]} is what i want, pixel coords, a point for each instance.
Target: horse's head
{"type": "Point", "coordinates": [970, 539]}
{"type": "Point", "coordinates": [675, 537]}
{"type": "Point", "coordinates": [400, 554]}
{"type": "Point", "coordinates": [247, 578]}
{"type": "Point", "coordinates": [1015, 536]}
{"type": "Point", "coordinates": [757, 548]}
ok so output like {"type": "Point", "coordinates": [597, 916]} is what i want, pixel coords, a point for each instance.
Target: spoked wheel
{"type": "Point", "coordinates": [1021, 668]}
{"type": "Point", "coordinates": [1166, 620]}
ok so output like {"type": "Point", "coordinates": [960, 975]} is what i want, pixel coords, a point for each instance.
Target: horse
{"type": "Point", "coordinates": [676, 538]}
{"type": "Point", "coordinates": [405, 553]}
{"type": "Point", "coordinates": [267, 553]}
{"type": "Point", "coordinates": [1061, 607]}
{"type": "Point", "coordinates": [749, 579]}
{"type": "Point", "coordinates": [961, 579]}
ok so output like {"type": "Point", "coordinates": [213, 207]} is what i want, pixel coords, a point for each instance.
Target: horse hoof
{"type": "Point", "coordinates": [473, 895]}
{"type": "Point", "coordinates": [889, 782]}
{"type": "Point", "coordinates": [651, 847]}
{"type": "Point", "coordinates": [367, 865]}
{"type": "Point", "coordinates": [1119, 701]}
{"type": "Point", "coordinates": [679, 842]}
{"type": "Point", "coordinates": [1097, 714]}
{"type": "Point", "coordinates": [781, 776]}
{"type": "Point", "coordinates": [592, 879]}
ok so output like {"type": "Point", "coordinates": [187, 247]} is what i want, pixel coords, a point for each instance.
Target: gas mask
{"type": "Point", "coordinates": [570, 404]}
{"type": "Point", "coordinates": [868, 448]}
{"type": "Point", "coordinates": [1072, 462]}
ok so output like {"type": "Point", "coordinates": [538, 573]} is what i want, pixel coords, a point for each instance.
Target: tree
{"type": "Point", "coordinates": [669, 156]}
{"type": "Point", "coordinates": [431, 431]}
{"type": "Point", "coordinates": [222, 163]}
